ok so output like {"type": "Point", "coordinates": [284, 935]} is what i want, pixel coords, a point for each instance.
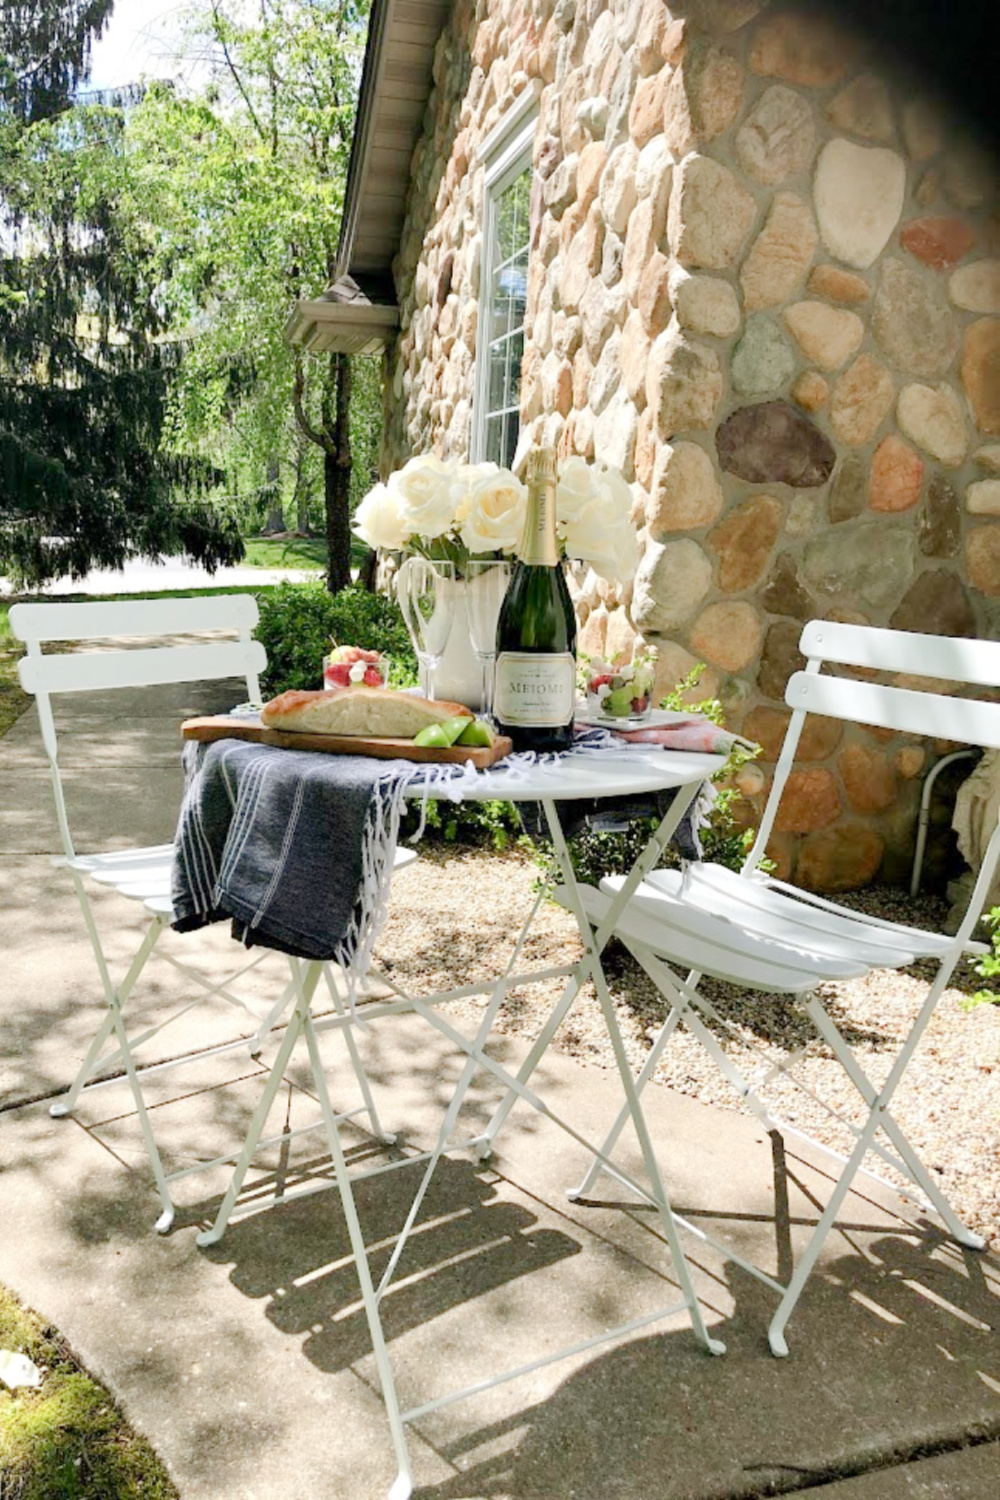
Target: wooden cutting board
{"type": "Point", "coordinates": [223, 727]}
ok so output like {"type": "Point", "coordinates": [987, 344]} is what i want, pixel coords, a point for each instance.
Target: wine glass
{"type": "Point", "coordinates": [426, 591]}
{"type": "Point", "coordinates": [488, 580]}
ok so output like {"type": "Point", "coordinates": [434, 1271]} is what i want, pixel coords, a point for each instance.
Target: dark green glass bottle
{"type": "Point", "coordinates": [535, 692]}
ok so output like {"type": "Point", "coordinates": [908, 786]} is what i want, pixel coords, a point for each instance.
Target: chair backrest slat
{"type": "Point", "coordinates": [907, 710]}
{"type": "Point", "coordinates": [126, 617]}
{"type": "Point", "coordinates": [967, 720]}
{"type": "Point", "coordinates": [950, 658]}
{"type": "Point", "coordinates": [142, 666]}
{"type": "Point", "coordinates": [85, 671]}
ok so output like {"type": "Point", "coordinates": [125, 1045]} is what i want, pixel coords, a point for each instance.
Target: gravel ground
{"type": "Point", "coordinates": [453, 919]}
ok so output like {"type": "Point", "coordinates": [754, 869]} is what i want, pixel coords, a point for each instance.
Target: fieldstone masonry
{"type": "Point", "coordinates": [765, 282]}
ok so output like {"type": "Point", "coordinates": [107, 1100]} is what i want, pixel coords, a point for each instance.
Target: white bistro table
{"type": "Point", "coordinates": [626, 773]}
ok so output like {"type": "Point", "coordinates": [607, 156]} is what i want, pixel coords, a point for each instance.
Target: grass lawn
{"type": "Point", "coordinates": [66, 1440]}
{"type": "Point", "coordinates": [285, 552]}
{"type": "Point", "coordinates": [295, 552]}
{"type": "Point", "coordinates": [12, 701]}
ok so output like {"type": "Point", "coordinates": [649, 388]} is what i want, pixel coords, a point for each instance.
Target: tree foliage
{"type": "Point", "coordinates": [45, 53]}
{"type": "Point", "coordinates": [86, 356]}
{"type": "Point", "coordinates": [246, 182]}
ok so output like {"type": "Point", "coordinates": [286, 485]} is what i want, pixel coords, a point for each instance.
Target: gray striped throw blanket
{"type": "Point", "coordinates": [295, 847]}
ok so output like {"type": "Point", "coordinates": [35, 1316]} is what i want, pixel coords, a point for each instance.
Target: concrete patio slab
{"type": "Point", "coordinates": [968, 1474]}
{"type": "Point", "coordinates": [248, 1365]}
{"type": "Point", "coordinates": [255, 1343]}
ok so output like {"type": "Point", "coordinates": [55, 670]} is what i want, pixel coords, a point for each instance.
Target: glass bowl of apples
{"type": "Point", "coordinates": [619, 691]}
{"type": "Point", "coordinates": [349, 666]}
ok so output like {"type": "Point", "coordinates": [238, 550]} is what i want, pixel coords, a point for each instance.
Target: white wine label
{"type": "Point", "coordinates": [535, 690]}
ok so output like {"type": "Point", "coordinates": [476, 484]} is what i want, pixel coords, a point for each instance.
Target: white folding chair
{"type": "Point", "coordinates": [143, 874]}
{"type": "Point", "coordinates": [764, 934]}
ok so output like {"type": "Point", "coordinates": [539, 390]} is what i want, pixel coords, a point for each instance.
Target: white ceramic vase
{"type": "Point", "coordinates": [459, 676]}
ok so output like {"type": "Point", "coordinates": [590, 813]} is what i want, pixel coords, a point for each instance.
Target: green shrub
{"type": "Point", "coordinates": [989, 967]}
{"type": "Point", "coordinates": [596, 854]}
{"type": "Point", "coordinates": [300, 622]}
{"type": "Point", "coordinates": [494, 824]}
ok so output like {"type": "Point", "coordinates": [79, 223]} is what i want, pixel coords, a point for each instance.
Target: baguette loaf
{"type": "Point", "coordinates": [380, 713]}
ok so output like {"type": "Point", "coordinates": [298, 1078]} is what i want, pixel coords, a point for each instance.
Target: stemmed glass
{"type": "Point", "coordinates": [488, 582]}
{"type": "Point", "coordinates": [426, 592]}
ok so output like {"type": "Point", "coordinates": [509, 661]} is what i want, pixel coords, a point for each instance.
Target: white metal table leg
{"type": "Point", "coordinates": [593, 963]}
{"type": "Point", "coordinates": [658, 841]}
{"type": "Point", "coordinates": [469, 1072]}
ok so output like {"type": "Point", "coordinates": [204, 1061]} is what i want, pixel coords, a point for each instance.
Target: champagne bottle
{"type": "Point", "coordinates": [535, 691]}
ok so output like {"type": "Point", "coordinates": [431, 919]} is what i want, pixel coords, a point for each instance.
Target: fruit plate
{"type": "Point", "coordinates": [230, 727]}
{"type": "Point", "coordinates": [654, 718]}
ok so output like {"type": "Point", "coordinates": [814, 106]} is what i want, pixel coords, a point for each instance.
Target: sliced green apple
{"type": "Point", "coordinates": [478, 732]}
{"type": "Point", "coordinates": [432, 737]}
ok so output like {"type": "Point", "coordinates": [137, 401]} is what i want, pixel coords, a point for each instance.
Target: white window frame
{"type": "Point", "coordinates": [506, 152]}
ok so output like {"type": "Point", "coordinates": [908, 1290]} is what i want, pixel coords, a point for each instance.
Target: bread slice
{"type": "Point", "coordinates": [377, 713]}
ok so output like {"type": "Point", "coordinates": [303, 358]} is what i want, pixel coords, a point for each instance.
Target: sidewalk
{"type": "Point", "coordinates": [248, 1366]}
{"type": "Point", "coordinates": [138, 577]}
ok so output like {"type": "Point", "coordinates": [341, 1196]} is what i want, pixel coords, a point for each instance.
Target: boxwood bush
{"type": "Point", "coordinates": [300, 622]}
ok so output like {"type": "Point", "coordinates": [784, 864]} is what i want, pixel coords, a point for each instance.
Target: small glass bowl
{"type": "Point", "coordinates": [375, 673]}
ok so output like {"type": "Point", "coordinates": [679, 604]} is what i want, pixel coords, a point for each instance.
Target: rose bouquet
{"type": "Point", "coordinates": [455, 511]}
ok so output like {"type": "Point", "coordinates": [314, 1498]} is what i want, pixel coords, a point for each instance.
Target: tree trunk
{"type": "Point", "coordinates": [368, 571]}
{"type": "Point", "coordinates": [337, 483]}
{"type": "Point", "coordinates": [302, 510]}
{"type": "Point", "coordinates": [272, 490]}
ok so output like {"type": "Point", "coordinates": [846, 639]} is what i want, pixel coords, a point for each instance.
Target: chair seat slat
{"type": "Point", "coordinates": [755, 902]}
{"type": "Point", "coordinates": [678, 934]}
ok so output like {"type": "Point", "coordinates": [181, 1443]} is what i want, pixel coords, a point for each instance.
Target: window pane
{"type": "Point", "coordinates": [512, 216]}
{"type": "Point", "coordinates": [494, 440]}
{"type": "Point", "coordinates": [498, 377]}
{"type": "Point", "coordinates": [510, 431]}
{"type": "Point", "coordinates": [503, 321]}
{"type": "Point", "coordinates": [515, 353]}
{"type": "Point", "coordinates": [510, 295]}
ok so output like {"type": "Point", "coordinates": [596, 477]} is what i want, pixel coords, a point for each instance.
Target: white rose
{"type": "Point", "coordinates": [467, 476]}
{"type": "Point", "coordinates": [612, 491]}
{"type": "Point", "coordinates": [494, 511]}
{"type": "Point", "coordinates": [379, 521]}
{"type": "Point", "coordinates": [574, 491]}
{"type": "Point", "coordinates": [428, 493]}
{"type": "Point", "coordinates": [625, 553]}
{"type": "Point", "coordinates": [609, 544]}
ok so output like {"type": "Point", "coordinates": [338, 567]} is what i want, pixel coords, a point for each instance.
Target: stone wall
{"type": "Point", "coordinates": [765, 282]}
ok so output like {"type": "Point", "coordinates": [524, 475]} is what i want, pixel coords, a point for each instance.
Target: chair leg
{"type": "Point", "coordinates": [305, 989]}
{"type": "Point", "coordinates": [683, 1000]}
{"type": "Point", "coordinates": [378, 1129]}
{"type": "Point", "coordinates": [808, 1258]}
{"type": "Point", "coordinates": [909, 1160]}
{"type": "Point", "coordinates": [165, 1221]}
{"type": "Point", "coordinates": [114, 999]}
{"type": "Point", "coordinates": [402, 1487]}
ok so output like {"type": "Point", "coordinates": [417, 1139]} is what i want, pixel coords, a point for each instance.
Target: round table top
{"type": "Point", "coordinates": [605, 773]}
